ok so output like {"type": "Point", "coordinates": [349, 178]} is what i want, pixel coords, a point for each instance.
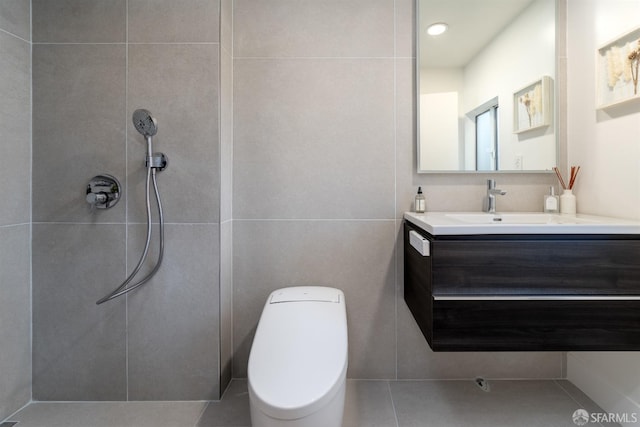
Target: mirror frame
{"type": "Point", "coordinates": [559, 102]}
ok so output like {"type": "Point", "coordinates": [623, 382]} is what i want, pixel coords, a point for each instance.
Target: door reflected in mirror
{"type": "Point", "coordinates": [486, 124]}
{"type": "Point", "coordinates": [470, 83]}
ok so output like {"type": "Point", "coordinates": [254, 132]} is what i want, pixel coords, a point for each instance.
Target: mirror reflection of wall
{"type": "Point", "coordinates": [469, 77]}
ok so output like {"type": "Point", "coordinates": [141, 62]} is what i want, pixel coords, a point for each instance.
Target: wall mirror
{"type": "Point", "coordinates": [486, 86]}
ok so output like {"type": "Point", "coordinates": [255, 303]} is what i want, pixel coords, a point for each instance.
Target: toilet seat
{"type": "Point", "coordinates": [296, 367]}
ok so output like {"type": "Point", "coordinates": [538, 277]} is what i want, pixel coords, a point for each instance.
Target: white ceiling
{"type": "Point", "coordinates": [472, 25]}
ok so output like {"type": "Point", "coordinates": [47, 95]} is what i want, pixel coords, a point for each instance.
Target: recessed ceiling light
{"type": "Point", "coordinates": [437, 28]}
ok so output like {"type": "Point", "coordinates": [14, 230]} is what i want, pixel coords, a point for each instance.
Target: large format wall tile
{"type": "Point", "coordinates": [79, 21]}
{"type": "Point", "coordinates": [78, 347]}
{"type": "Point", "coordinates": [226, 135]}
{"type": "Point", "coordinates": [78, 128]}
{"type": "Point", "coordinates": [173, 319]}
{"type": "Point", "coordinates": [15, 126]}
{"type": "Point", "coordinates": [310, 28]}
{"type": "Point", "coordinates": [15, 319]}
{"type": "Point", "coordinates": [226, 24]}
{"type": "Point", "coordinates": [313, 138]}
{"type": "Point", "coordinates": [15, 17]}
{"type": "Point", "coordinates": [155, 21]}
{"type": "Point", "coordinates": [15, 209]}
{"type": "Point", "coordinates": [179, 85]}
{"type": "Point", "coordinates": [405, 28]}
{"type": "Point", "coordinates": [355, 256]}
{"type": "Point", "coordinates": [406, 150]}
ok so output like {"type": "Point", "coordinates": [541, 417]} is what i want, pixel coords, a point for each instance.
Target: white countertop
{"type": "Point", "coordinates": [468, 223]}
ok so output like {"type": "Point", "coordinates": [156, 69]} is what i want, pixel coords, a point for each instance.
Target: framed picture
{"type": "Point", "coordinates": [532, 106]}
{"type": "Point", "coordinates": [617, 65]}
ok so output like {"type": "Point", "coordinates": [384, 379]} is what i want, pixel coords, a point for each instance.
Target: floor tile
{"type": "Point", "coordinates": [231, 411]}
{"type": "Point", "coordinates": [110, 414]}
{"type": "Point", "coordinates": [463, 403]}
{"type": "Point", "coordinates": [582, 400]}
{"type": "Point", "coordinates": [368, 404]}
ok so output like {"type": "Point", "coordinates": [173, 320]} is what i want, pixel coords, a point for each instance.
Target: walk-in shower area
{"type": "Point", "coordinates": [167, 164]}
{"type": "Point", "coordinates": [93, 94]}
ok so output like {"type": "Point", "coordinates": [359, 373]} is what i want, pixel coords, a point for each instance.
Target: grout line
{"type": "Point", "coordinates": [124, 42]}
{"type": "Point", "coordinates": [282, 58]}
{"type": "Point", "coordinates": [393, 405]}
{"type": "Point", "coordinates": [231, 163]}
{"type": "Point", "coordinates": [232, 139]}
{"type": "Point", "coordinates": [30, 202]}
{"type": "Point", "coordinates": [315, 219]}
{"type": "Point", "coordinates": [116, 223]}
{"type": "Point", "coordinates": [125, 403]}
{"type": "Point", "coordinates": [566, 391]}
{"type": "Point", "coordinates": [16, 412]}
{"type": "Point", "coordinates": [221, 246]}
{"type": "Point", "coordinates": [580, 404]}
{"type": "Point", "coordinates": [202, 411]}
{"type": "Point", "coordinates": [488, 378]}
{"type": "Point", "coordinates": [14, 35]}
{"type": "Point", "coordinates": [395, 181]}
{"type": "Point", "coordinates": [126, 199]}
{"type": "Point", "coordinates": [15, 225]}
{"type": "Point", "coordinates": [78, 43]}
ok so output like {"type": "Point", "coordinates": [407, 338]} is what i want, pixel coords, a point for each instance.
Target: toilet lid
{"type": "Point", "coordinates": [298, 358]}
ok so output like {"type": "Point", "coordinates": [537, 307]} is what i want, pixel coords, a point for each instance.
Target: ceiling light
{"type": "Point", "coordinates": [437, 28]}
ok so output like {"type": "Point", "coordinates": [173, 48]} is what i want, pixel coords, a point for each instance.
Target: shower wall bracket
{"type": "Point", "coordinates": [103, 191]}
{"type": "Point", "coordinates": [158, 161]}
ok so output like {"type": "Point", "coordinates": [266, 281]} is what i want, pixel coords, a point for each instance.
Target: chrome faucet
{"type": "Point", "coordinates": [490, 199]}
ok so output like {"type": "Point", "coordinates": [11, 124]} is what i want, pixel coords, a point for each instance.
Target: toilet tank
{"type": "Point", "coordinates": [298, 358]}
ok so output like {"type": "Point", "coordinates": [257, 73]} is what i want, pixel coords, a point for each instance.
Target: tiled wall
{"type": "Point", "coordinates": [299, 175]}
{"type": "Point", "coordinates": [324, 167]}
{"type": "Point", "coordinates": [94, 63]}
{"type": "Point", "coordinates": [15, 209]}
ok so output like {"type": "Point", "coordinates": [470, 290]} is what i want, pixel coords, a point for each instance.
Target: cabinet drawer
{"type": "Point", "coordinates": [562, 266]}
{"type": "Point", "coordinates": [543, 324]}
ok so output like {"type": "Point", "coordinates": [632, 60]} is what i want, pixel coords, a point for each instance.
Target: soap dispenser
{"type": "Point", "coordinates": [551, 202]}
{"type": "Point", "coordinates": [420, 201]}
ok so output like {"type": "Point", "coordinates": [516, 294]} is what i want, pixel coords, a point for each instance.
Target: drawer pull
{"type": "Point", "coordinates": [419, 243]}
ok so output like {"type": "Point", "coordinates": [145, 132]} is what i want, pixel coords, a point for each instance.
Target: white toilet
{"type": "Point", "coordinates": [298, 363]}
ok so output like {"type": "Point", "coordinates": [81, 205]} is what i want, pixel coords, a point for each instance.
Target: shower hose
{"type": "Point", "coordinates": [125, 288]}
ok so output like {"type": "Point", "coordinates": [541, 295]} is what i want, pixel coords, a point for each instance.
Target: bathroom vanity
{"type": "Point", "coordinates": [523, 282]}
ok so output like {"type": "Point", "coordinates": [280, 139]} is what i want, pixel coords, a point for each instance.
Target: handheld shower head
{"type": "Point", "coordinates": [148, 126]}
{"type": "Point", "coordinates": [144, 123]}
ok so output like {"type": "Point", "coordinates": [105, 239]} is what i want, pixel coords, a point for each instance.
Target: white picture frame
{"type": "Point", "coordinates": [616, 74]}
{"type": "Point", "coordinates": [532, 105]}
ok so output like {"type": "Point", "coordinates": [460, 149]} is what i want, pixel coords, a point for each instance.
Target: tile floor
{"type": "Point", "coordinates": [460, 403]}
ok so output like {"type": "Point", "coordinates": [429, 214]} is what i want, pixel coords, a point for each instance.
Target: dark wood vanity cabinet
{"type": "Point", "coordinates": [525, 292]}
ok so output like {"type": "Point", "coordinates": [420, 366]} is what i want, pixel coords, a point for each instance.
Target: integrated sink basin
{"type": "Point", "coordinates": [519, 218]}
{"type": "Point", "coordinates": [467, 223]}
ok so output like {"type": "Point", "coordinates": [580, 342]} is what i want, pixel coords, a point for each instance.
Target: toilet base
{"type": "Point", "coordinates": [328, 416]}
